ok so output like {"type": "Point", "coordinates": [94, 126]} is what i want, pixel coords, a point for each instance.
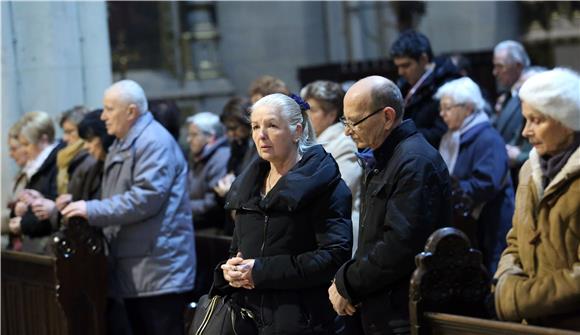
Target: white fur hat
{"type": "Point", "coordinates": [555, 93]}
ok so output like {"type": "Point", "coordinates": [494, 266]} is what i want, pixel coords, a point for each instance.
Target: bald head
{"type": "Point", "coordinates": [376, 92]}
{"type": "Point", "coordinates": [373, 107]}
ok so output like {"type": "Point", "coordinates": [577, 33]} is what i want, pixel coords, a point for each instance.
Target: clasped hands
{"type": "Point", "coordinates": [238, 272]}
{"type": "Point", "coordinates": [340, 304]}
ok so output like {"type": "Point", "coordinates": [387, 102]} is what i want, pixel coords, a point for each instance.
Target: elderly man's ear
{"type": "Point", "coordinates": [390, 117]}
{"type": "Point", "coordinates": [132, 112]}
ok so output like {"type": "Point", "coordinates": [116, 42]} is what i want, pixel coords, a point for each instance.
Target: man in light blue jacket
{"type": "Point", "coordinates": [145, 215]}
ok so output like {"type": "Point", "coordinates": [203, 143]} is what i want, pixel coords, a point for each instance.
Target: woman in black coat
{"type": "Point", "coordinates": [37, 137]}
{"type": "Point", "coordinates": [292, 229]}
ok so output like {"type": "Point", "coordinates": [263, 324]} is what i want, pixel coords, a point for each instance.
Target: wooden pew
{"type": "Point", "coordinates": [448, 291]}
{"type": "Point", "coordinates": [60, 293]}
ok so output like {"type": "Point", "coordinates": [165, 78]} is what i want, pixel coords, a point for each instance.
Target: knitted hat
{"type": "Point", "coordinates": [556, 94]}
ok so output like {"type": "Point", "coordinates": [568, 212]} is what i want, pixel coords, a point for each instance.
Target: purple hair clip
{"type": "Point", "coordinates": [304, 106]}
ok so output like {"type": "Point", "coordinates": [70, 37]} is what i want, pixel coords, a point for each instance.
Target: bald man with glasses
{"type": "Point", "coordinates": [406, 195]}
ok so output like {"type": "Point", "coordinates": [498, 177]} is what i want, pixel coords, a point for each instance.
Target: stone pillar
{"type": "Point", "coordinates": [54, 55]}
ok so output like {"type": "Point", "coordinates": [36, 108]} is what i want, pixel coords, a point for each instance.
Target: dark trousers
{"type": "Point", "coordinates": [158, 315]}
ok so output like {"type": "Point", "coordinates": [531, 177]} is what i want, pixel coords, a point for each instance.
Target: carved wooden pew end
{"type": "Point", "coordinates": [448, 291]}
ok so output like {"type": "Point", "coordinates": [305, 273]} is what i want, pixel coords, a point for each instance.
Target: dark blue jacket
{"type": "Point", "coordinates": [406, 196]}
{"type": "Point", "coordinates": [483, 173]}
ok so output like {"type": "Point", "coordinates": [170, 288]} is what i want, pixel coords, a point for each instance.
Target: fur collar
{"type": "Point", "coordinates": [571, 168]}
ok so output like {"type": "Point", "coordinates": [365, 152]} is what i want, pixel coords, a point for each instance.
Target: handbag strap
{"type": "Point", "coordinates": [208, 314]}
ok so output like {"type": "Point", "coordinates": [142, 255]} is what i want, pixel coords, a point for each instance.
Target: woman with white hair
{"type": "Point", "coordinates": [478, 164]}
{"type": "Point", "coordinates": [209, 155]}
{"type": "Point", "coordinates": [292, 224]}
{"type": "Point", "coordinates": [538, 278]}
{"type": "Point", "coordinates": [37, 138]}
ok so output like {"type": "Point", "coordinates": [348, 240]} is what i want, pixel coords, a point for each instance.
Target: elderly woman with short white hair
{"type": "Point", "coordinates": [538, 278]}
{"type": "Point", "coordinates": [477, 161]}
{"type": "Point", "coordinates": [292, 224]}
{"type": "Point", "coordinates": [210, 153]}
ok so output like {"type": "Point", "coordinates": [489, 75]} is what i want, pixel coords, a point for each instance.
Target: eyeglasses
{"type": "Point", "coordinates": [448, 108]}
{"type": "Point", "coordinates": [351, 124]}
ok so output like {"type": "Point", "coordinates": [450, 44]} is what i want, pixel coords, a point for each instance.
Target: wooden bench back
{"type": "Point", "coordinates": [448, 291]}
{"type": "Point", "coordinates": [61, 293]}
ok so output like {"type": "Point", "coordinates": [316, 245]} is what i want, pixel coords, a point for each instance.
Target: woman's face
{"type": "Point", "coordinates": [272, 136]}
{"type": "Point", "coordinates": [94, 147]}
{"type": "Point", "coordinates": [197, 139]}
{"type": "Point", "coordinates": [453, 114]}
{"type": "Point", "coordinates": [236, 131]}
{"type": "Point", "coordinates": [547, 135]}
{"type": "Point", "coordinates": [32, 150]}
{"type": "Point", "coordinates": [320, 118]}
{"type": "Point", "coordinates": [70, 132]}
{"type": "Point", "coordinates": [17, 152]}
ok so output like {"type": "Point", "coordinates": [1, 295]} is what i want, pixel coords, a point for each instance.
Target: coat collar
{"type": "Point", "coordinates": [142, 122]}
{"type": "Point", "coordinates": [570, 170]}
{"type": "Point", "coordinates": [383, 153]}
{"type": "Point", "coordinates": [310, 177]}
{"type": "Point", "coordinates": [210, 149]}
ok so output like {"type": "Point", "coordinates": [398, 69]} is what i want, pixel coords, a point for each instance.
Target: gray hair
{"type": "Point", "coordinates": [328, 93]}
{"type": "Point", "coordinates": [515, 50]}
{"type": "Point", "coordinates": [462, 91]}
{"type": "Point", "coordinates": [556, 94]}
{"type": "Point", "coordinates": [293, 114]}
{"type": "Point", "coordinates": [35, 125]}
{"type": "Point", "coordinates": [387, 94]}
{"type": "Point", "coordinates": [74, 115]}
{"type": "Point", "coordinates": [131, 93]}
{"type": "Point", "coordinates": [208, 123]}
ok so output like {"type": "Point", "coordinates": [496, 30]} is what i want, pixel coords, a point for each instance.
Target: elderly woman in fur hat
{"type": "Point", "coordinates": [538, 278]}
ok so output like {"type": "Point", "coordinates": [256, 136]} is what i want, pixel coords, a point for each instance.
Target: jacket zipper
{"type": "Point", "coordinates": [266, 219]}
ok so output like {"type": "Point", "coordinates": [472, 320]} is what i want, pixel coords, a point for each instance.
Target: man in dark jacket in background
{"type": "Point", "coordinates": [405, 197]}
{"type": "Point", "coordinates": [421, 77]}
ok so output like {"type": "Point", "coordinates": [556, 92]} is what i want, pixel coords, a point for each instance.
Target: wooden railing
{"type": "Point", "coordinates": [449, 288]}
{"type": "Point", "coordinates": [60, 293]}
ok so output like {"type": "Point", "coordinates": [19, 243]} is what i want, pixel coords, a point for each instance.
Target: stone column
{"type": "Point", "coordinates": [54, 55]}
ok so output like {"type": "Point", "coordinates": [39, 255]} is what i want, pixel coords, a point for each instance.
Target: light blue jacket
{"type": "Point", "coordinates": [145, 214]}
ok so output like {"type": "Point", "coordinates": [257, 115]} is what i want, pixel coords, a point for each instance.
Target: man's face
{"type": "Point", "coordinates": [506, 71]}
{"type": "Point", "coordinates": [117, 114]}
{"type": "Point", "coordinates": [411, 69]}
{"type": "Point", "coordinates": [369, 133]}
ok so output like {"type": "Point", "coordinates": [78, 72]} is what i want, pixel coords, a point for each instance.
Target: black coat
{"type": "Point", "coordinates": [422, 108]}
{"type": "Point", "coordinates": [85, 177]}
{"type": "Point", "coordinates": [43, 181]}
{"type": "Point", "coordinates": [299, 234]}
{"type": "Point", "coordinates": [406, 196]}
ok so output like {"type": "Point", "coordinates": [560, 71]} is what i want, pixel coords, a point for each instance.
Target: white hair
{"type": "Point", "coordinates": [292, 113]}
{"type": "Point", "coordinates": [131, 93]}
{"type": "Point", "coordinates": [462, 91]}
{"type": "Point", "coordinates": [515, 50]}
{"type": "Point", "coordinates": [555, 93]}
{"type": "Point", "coordinates": [208, 123]}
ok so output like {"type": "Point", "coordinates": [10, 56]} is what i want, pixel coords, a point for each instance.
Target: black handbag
{"type": "Point", "coordinates": [220, 315]}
